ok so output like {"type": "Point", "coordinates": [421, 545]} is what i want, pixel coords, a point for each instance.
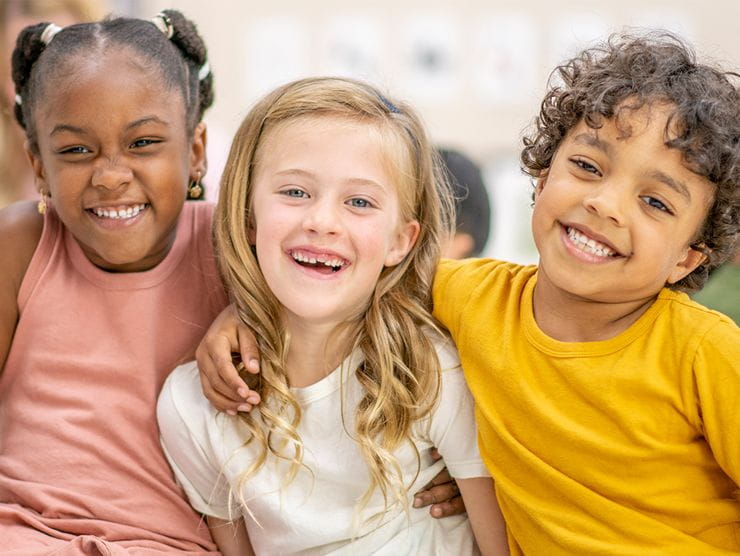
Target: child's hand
{"type": "Point", "coordinates": [442, 494]}
{"type": "Point", "coordinates": [219, 377]}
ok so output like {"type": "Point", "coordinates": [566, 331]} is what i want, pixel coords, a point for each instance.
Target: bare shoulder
{"type": "Point", "coordinates": [20, 231]}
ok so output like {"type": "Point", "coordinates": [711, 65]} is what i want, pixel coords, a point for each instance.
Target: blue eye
{"type": "Point", "coordinates": [359, 202]}
{"type": "Point", "coordinates": [295, 193]}
{"type": "Point", "coordinates": [656, 204]}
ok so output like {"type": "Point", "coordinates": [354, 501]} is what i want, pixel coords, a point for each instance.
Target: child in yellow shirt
{"type": "Point", "coordinates": [605, 398]}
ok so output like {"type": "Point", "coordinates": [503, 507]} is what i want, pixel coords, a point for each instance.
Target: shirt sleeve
{"type": "Point", "coordinates": [717, 373]}
{"type": "Point", "coordinates": [452, 429]}
{"type": "Point", "coordinates": [185, 419]}
{"type": "Point", "coordinates": [455, 284]}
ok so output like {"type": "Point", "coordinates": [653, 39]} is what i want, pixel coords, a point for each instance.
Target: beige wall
{"type": "Point", "coordinates": [492, 62]}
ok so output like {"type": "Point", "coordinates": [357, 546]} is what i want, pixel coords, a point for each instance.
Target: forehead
{"type": "Point", "coordinates": [299, 140]}
{"type": "Point", "coordinates": [108, 89]}
{"type": "Point", "coordinates": [374, 147]}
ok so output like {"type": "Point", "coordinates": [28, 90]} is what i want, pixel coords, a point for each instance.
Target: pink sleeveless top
{"type": "Point", "coordinates": [81, 468]}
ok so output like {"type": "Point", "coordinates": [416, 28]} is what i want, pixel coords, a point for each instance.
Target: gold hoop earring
{"type": "Point", "coordinates": [195, 189]}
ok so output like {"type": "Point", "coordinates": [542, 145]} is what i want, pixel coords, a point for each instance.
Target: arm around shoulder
{"type": "Point", "coordinates": [485, 515]}
{"type": "Point", "coordinates": [20, 231]}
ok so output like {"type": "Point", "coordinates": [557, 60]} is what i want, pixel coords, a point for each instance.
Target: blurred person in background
{"type": "Point", "coordinates": [473, 208]}
{"type": "Point", "coordinates": [16, 177]}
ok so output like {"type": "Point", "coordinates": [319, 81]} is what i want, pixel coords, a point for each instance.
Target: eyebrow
{"type": "Point", "coordinates": [147, 120]}
{"type": "Point", "coordinates": [592, 141]}
{"type": "Point", "coordinates": [311, 175]}
{"type": "Point", "coordinates": [678, 186]}
{"type": "Point", "coordinates": [61, 128]}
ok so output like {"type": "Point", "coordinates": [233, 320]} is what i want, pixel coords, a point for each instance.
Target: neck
{"type": "Point", "coordinates": [315, 351]}
{"type": "Point", "coordinates": [569, 318]}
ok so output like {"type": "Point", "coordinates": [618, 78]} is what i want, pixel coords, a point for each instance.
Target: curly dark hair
{"type": "Point", "coordinates": [37, 66]}
{"type": "Point", "coordinates": [657, 67]}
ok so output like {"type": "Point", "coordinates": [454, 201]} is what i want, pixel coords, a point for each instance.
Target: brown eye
{"type": "Point", "coordinates": [77, 149]}
{"type": "Point", "coordinates": [586, 166]}
{"type": "Point", "coordinates": [656, 204]}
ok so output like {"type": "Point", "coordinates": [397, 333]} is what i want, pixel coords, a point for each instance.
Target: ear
{"type": "Point", "coordinates": [540, 184]}
{"type": "Point", "coordinates": [198, 160]}
{"type": "Point", "coordinates": [402, 244]}
{"type": "Point", "coordinates": [687, 265]}
{"type": "Point", "coordinates": [39, 173]}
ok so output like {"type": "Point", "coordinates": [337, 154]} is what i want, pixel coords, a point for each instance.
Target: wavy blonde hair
{"type": "Point", "coordinates": [400, 374]}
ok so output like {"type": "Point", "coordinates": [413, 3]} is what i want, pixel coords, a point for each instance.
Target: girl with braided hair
{"type": "Point", "coordinates": [107, 284]}
{"type": "Point", "coordinates": [105, 288]}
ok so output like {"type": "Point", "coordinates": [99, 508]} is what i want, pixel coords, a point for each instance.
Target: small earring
{"type": "Point", "coordinates": [42, 206]}
{"type": "Point", "coordinates": [195, 189]}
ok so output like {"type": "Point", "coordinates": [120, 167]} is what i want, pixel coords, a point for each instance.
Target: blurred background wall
{"type": "Point", "coordinates": [475, 69]}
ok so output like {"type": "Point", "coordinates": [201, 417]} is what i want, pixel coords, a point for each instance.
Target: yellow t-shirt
{"type": "Point", "coordinates": [625, 446]}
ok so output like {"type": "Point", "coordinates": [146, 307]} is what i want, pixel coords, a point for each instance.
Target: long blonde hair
{"type": "Point", "coordinates": [401, 373]}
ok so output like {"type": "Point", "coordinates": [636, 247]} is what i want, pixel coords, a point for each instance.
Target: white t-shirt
{"type": "Point", "coordinates": [316, 512]}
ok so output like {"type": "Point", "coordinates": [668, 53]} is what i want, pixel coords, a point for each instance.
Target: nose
{"type": "Point", "coordinates": [322, 217]}
{"type": "Point", "coordinates": [607, 200]}
{"type": "Point", "coordinates": [111, 175]}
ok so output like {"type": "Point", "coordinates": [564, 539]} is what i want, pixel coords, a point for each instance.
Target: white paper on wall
{"type": "Point", "coordinates": [572, 32]}
{"type": "Point", "coordinates": [431, 67]}
{"type": "Point", "coordinates": [276, 51]}
{"type": "Point", "coordinates": [352, 46]}
{"type": "Point", "coordinates": [505, 58]}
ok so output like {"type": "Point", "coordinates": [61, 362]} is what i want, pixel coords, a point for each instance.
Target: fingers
{"type": "Point", "coordinates": [222, 403]}
{"type": "Point", "coordinates": [455, 506]}
{"type": "Point", "coordinates": [248, 349]}
{"type": "Point", "coordinates": [441, 478]}
{"type": "Point", "coordinates": [436, 494]}
{"type": "Point", "coordinates": [220, 379]}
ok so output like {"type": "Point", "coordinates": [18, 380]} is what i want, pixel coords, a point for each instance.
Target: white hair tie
{"type": "Point", "coordinates": [163, 23]}
{"type": "Point", "coordinates": [205, 69]}
{"type": "Point", "coordinates": [49, 32]}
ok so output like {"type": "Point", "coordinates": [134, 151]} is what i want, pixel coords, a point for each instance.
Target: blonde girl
{"type": "Point", "coordinates": [329, 228]}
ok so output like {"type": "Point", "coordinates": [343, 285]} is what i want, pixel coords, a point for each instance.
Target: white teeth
{"type": "Point", "coordinates": [332, 262]}
{"type": "Point", "coordinates": [588, 245]}
{"type": "Point", "coordinates": [128, 212]}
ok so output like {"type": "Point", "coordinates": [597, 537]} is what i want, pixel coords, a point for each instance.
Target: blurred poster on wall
{"type": "Point", "coordinates": [431, 57]}
{"type": "Point", "coordinates": [352, 46]}
{"type": "Point", "coordinates": [505, 58]}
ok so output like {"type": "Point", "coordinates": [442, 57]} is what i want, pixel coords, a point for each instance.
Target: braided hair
{"type": "Point", "coordinates": [38, 63]}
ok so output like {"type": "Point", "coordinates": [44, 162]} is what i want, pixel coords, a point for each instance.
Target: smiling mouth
{"type": "Point", "coordinates": [322, 263]}
{"type": "Point", "coordinates": [119, 212]}
{"type": "Point", "coordinates": [584, 243]}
